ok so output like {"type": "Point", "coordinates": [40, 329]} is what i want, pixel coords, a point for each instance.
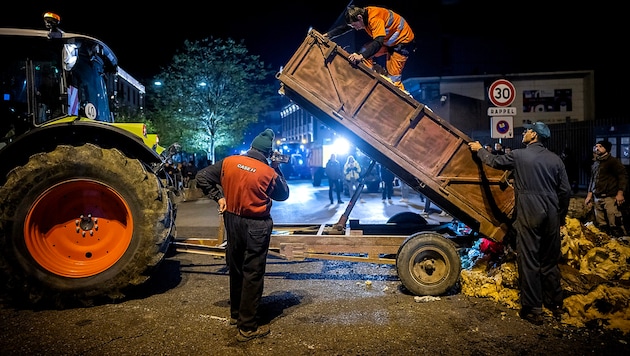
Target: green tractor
{"type": "Point", "coordinates": [84, 213]}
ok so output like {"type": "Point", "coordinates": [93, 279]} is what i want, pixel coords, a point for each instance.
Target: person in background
{"type": "Point", "coordinates": [488, 147]}
{"type": "Point", "coordinates": [244, 187]}
{"type": "Point", "coordinates": [190, 172]}
{"type": "Point", "coordinates": [498, 149]}
{"type": "Point", "coordinates": [391, 36]}
{"type": "Point", "coordinates": [179, 175]}
{"type": "Point", "coordinates": [542, 193]}
{"type": "Point", "coordinates": [426, 211]}
{"type": "Point", "coordinates": [170, 173]}
{"type": "Point", "coordinates": [404, 192]}
{"type": "Point", "coordinates": [387, 177]}
{"type": "Point", "coordinates": [333, 172]}
{"type": "Point", "coordinates": [507, 149]}
{"type": "Point", "coordinates": [606, 189]}
{"type": "Point", "coordinates": [352, 172]}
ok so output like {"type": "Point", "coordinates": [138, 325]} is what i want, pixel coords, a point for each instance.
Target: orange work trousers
{"type": "Point", "coordinates": [394, 64]}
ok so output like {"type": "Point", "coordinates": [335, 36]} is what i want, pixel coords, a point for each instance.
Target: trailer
{"type": "Point", "coordinates": [425, 151]}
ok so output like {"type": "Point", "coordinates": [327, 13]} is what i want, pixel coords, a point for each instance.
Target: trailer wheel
{"type": "Point", "coordinates": [407, 217]}
{"type": "Point", "coordinates": [428, 264]}
{"type": "Point", "coordinates": [79, 223]}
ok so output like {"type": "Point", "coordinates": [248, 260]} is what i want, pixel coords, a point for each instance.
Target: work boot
{"type": "Point", "coordinates": [605, 229]}
{"type": "Point", "coordinates": [528, 315]}
{"type": "Point", "coordinates": [261, 331]}
{"type": "Point", "coordinates": [556, 311]}
{"type": "Point", "coordinates": [616, 231]}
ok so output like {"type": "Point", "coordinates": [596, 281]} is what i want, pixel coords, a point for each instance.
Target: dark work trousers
{"type": "Point", "coordinates": [538, 252]}
{"type": "Point", "coordinates": [336, 185]}
{"type": "Point", "coordinates": [388, 189]}
{"type": "Point", "coordinates": [247, 247]}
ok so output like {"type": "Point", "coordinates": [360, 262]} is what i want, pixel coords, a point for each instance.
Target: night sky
{"type": "Point", "coordinates": [455, 37]}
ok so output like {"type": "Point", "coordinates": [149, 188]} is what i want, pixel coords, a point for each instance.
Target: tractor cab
{"type": "Point", "coordinates": [50, 75]}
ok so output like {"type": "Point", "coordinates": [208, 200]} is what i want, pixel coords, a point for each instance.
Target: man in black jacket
{"type": "Point", "coordinates": [542, 193]}
{"type": "Point", "coordinates": [606, 188]}
{"type": "Point", "coordinates": [333, 172]}
{"type": "Point", "coordinates": [244, 187]}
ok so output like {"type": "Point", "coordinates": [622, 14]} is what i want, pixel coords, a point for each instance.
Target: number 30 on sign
{"type": "Point", "coordinates": [501, 93]}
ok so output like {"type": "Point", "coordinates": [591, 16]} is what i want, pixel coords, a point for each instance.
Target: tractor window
{"type": "Point", "coordinates": [87, 89]}
{"type": "Point", "coordinates": [43, 80]}
{"type": "Point", "coordinates": [31, 83]}
{"type": "Point", "coordinates": [48, 91]}
{"type": "Point", "coordinates": [13, 104]}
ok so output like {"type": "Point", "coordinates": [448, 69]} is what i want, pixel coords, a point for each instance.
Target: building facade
{"type": "Point", "coordinates": [129, 94]}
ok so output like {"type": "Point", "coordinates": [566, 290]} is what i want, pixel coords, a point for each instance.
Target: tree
{"type": "Point", "coordinates": [212, 90]}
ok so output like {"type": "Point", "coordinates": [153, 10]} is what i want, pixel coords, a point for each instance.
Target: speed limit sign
{"type": "Point", "coordinates": [502, 93]}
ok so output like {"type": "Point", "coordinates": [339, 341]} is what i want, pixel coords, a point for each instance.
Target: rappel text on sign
{"type": "Point", "coordinates": [502, 111]}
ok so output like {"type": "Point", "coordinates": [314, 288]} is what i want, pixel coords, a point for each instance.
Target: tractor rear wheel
{"type": "Point", "coordinates": [81, 223]}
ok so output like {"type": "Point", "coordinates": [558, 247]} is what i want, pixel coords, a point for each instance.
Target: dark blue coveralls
{"type": "Point", "coordinates": [542, 193]}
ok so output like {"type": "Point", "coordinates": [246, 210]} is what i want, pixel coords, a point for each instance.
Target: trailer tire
{"type": "Point", "coordinates": [81, 223]}
{"type": "Point", "coordinates": [428, 264]}
{"type": "Point", "coordinates": [407, 217]}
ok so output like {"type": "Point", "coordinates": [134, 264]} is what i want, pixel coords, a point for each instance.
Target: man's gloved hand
{"type": "Point", "coordinates": [474, 146]}
{"type": "Point", "coordinates": [355, 58]}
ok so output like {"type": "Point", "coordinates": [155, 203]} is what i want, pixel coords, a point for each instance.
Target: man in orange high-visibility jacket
{"type": "Point", "coordinates": [391, 36]}
{"type": "Point", "coordinates": [244, 186]}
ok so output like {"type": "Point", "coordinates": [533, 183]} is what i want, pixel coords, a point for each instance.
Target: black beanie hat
{"type": "Point", "coordinates": [607, 145]}
{"type": "Point", "coordinates": [264, 141]}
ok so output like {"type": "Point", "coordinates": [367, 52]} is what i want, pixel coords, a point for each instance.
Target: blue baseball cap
{"type": "Point", "coordinates": [540, 128]}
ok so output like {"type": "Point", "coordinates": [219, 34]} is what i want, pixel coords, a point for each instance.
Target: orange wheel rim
{"type": "Point", "coordinates": [78, 228]}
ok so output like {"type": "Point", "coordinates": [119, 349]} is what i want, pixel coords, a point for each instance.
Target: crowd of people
{"type": "Point", "coordinates": [542, 189]}
{"type": "Point", "coordinates": [181, 174]}
{"type": "Point", "coordinates": [543, 182]}
{"type": "Point", "coordinates": [244, 187]}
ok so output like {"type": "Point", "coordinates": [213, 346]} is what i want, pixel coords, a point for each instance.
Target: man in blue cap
{"type": "Point", "coordinates": [542, 193]}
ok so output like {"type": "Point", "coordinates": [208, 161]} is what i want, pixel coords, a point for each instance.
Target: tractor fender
{"type": "Point", "coordinates": [75, 133]}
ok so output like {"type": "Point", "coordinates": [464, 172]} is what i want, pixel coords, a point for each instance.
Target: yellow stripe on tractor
{"type": "Point", "coordinates": [137, 128]}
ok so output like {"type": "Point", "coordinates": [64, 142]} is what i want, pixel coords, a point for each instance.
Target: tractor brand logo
{"type": "Point", "coordinates": [246, 168]}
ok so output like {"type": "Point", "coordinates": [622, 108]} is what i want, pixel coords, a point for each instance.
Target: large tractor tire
{"type": "Point", "coordinates": [80, 224]}
{"type": "Point", "coordinates": [428, 264]}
